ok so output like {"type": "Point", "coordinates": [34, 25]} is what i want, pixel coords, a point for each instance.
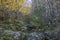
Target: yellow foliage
{"type": "Point", "coordinates": [14, 4]}
{"type": "Point", "coordinates": [0, 2]}
{"type": "Point", "coordinates": [25, 10]}
{"type": "Point", "coordinates": [17, 3]}
{"type": "Point", "coordinates": [11, 3]}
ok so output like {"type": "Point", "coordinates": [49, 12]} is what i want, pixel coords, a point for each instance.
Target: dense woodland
{"type": "Point", "coordinates": [30, 19]}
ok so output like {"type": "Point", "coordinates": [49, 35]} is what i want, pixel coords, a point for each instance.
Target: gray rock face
{"type": "Point", "coordinates": [57, 34]}
{"type": "Point", "coordinates": [49, 34]}
{"type": "Point", "coordinates": [34, 36]}
{"type": "Point", "coordinates": [14, 35]}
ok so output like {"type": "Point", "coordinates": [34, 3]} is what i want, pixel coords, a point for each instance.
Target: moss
{"type": "Point", "coordinates": [6, 36]}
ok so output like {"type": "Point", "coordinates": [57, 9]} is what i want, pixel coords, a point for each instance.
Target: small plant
{"type": "Point", "coordinates": [6, 37]}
